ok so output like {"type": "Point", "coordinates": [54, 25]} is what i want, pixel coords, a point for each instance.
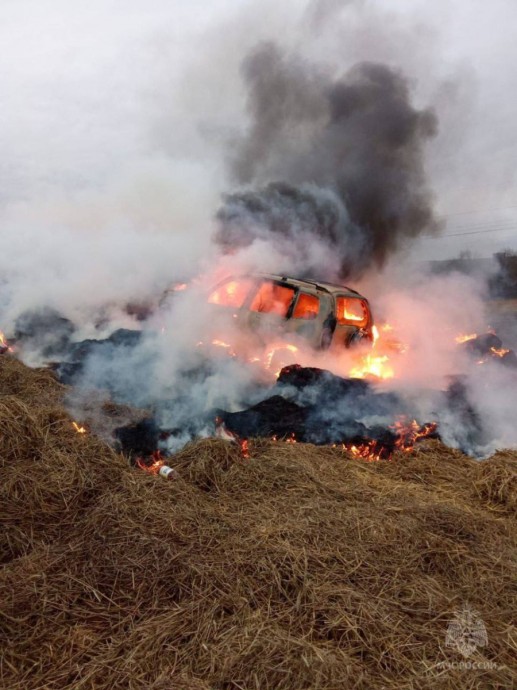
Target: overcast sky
{"type": "Point", "coordinates": [138, 100]}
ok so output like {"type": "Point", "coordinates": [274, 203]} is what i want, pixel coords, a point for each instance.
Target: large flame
{"type": "Point", "coordinates": [372, 365]}
{"type": "Point", "coordinates": [378, 361]}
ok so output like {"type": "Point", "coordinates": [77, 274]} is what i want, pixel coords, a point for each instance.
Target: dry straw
{"type": "Point", "coordinates": [299, 568]}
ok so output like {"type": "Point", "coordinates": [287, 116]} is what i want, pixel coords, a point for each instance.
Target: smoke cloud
{"type": "Point", "coordinates": [351, 150]}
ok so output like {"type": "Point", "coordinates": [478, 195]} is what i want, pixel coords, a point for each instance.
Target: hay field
{"type": "Point", "coordinates": [297, 569]}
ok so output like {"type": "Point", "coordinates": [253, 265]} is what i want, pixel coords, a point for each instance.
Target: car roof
{"type": "Point", "coordinates": [333, 288]}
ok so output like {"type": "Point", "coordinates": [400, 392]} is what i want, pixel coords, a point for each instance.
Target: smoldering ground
{"type": "Point", "coordinates": [171, 369]}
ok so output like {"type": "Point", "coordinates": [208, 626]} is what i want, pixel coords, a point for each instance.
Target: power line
{"type": "Point", "coordinates": [488, 225]}
{"type": "Point", "coordinates": [480, 232]}
{"type": "Point", "coordinates": [473, 212]}
{"type": "Point", "coordinates": [472, 232]}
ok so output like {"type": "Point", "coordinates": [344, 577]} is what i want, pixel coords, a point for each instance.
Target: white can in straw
{"type": "Point", "coordinates": [168, 472]}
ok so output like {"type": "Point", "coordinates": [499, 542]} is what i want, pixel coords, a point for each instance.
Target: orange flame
{"type": "Point", "coordinates": [225, 346]}
{"type": "Point", "coordinates": [350, 316]}
{"type": "Point", "coordinates": [244, 448]}
{"type": "Point", "coordinates": [288, 439]}
{"type": "Point", "coordinates": [377, 362]}
{"type": "Point", "coordinates": [157, 466]}
{"type": "Point", "coordinates": [499, 352]}
{"type": "Point", "coordinates": [373, 365]}
{"type": "Point", "coordinates": [365, 451]}
{"type": "Point", "coordinates": [407, 434]}
{"type": "Point", "coordinates": [463, 338]}
{"type": "Point", "coordinates": [270, 359]}
{"type": "Point", "coordinates": [154, 466]}
{"type": "Point", "coordinates": [78, 428]}
{"type": "Point", "coordinates": [226, 435]}
{"type": "Point", "coordinates": [4, 345]}
{"type": "Point", "coordinates": [275, 349]}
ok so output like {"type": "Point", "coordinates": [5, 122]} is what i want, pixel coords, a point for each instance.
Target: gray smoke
{"type": "Point", "coordinates": [348, 152]}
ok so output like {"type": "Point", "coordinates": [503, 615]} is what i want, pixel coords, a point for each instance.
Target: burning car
{"type": "Point", "coordinates": [323, 314]}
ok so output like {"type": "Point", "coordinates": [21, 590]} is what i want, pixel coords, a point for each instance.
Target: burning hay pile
{"type": "Point", "coordinates": [296, 568]}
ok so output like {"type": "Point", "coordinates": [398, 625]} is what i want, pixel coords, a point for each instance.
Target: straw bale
{"type": "Point", "coordinates": [298, 568]}
{"type": "Point", "coordinates": [37, 386]}
{"type": "Point", "coordinates": [497, 482]}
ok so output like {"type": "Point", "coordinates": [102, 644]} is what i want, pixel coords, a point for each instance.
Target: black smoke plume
{"type": "Point", "coordinates": [341, 157]}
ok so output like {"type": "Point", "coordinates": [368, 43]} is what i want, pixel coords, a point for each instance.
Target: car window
{"type": "Point", "coordinates": [232, 293]}
{"type": "Point", "coordinates": [351, 311]}
{"type": "Point", "coordinates": [307, 307]}
{"type": "Point", "coordinates": [272, 298]}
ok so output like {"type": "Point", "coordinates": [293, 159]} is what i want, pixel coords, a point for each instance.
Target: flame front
{"type": "Point", "coordinates": [78, 428]}
{"type": "Point", "coordinates": [407, 434]}
{"type": "Point", "coordinates": [371, 451]}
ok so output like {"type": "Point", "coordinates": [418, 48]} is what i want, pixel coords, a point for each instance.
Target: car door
{"type": "Point", "coordinates": [269, 305]}
{"type": "Point", "coordinates": [305, 317]}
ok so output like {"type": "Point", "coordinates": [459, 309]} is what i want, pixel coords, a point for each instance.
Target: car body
{"type": "Point", "coordinates": [325, 315]}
